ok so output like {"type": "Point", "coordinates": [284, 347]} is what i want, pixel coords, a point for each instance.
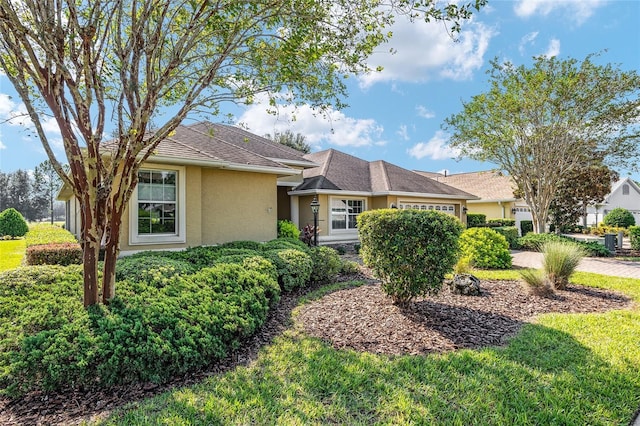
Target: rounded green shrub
{"type": "Point", "coordinates": [243, 244]}
{"type": "Point", "coordinates": [476, 219]}
{"type": "Point", "coordinates": [534, 242]}
{"type": "Point", "coordinates": [485, 248]}
{"type": "Point", "coordinates": [326, 264]}
{"type": "Point", "coordinates": [151, 268]}
{"type": "Point", "coordinates": [288, 229]}
{"type": "Point", "coordinates": [12, 223]}
{"type": "Point", "coordinates": [510, 233]}
{"type": "Point", "coordinates": [634, 237]}
{"type": "Point", "coordinates": [48, 340]}
{"type": "Point", "coordinates": [294, 267]}
{"type": "Point", "coordinates": [409, 250]}
{"type": "Point", "coordinates": [285, 243]}
{"type": "Point", "coordinates": [620, 217]}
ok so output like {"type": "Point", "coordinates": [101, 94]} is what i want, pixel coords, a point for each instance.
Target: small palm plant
{"type": "Point", "coordinates": [559, 262]}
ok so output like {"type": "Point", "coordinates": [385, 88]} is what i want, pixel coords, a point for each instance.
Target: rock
{"type": "Point", "coordinates": [465, 284]}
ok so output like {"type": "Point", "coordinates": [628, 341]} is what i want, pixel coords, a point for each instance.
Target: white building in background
{"type": "Point", "coordinates": [625, 194]}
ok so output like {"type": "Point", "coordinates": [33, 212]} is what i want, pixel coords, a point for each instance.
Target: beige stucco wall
{"type": "Point", "coordinates": [238, 206]}
{"type": "Point", "coordinates": [492, 210]}
{"type": "Point", "coordinates": [221, 206]}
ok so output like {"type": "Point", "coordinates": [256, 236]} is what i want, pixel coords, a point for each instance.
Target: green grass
{"type": "Point", "coordinates": [11, 253]}
{"type": "Point", "coordinates": [564, 369]}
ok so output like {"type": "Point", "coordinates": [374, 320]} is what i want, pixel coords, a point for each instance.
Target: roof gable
{"type": "Point", "coordinates": [488, 184]}
{"type": "Point", "coordinates": [339, 171]}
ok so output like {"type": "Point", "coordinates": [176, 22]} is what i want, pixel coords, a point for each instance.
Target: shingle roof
{"type": "Point", "coordinates": [209, 142]}
{"type": "Point", "coordinates": [343, 172]}
{"type": "Point", "coordinates": [488, 184]}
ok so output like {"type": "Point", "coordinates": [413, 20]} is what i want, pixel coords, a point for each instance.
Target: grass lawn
{"type": "Point", "coordinates": [564, 369]}
{"type": "Point", "coordinates": [11, 253]}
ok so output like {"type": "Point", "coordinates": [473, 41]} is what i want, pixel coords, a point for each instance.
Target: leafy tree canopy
{"type": "Point", "coordinates": [292, 140]}
{"type": "Point", "coordinates": [540, 123]}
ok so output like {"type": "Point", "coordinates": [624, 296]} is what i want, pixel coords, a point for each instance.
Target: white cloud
{"type": "Point", "coordinates": [526, 40]}
{"type": "Point", "coordinates": [424, 51]}
{"type": "Point", "coordinates": [578, 11]}
{"type": "Point", "coordinates": [6, 105]}
{"type": "Point", "coordinates": [424, 112]}
{"type": "Point", "coordinates": [333, 128]}
{"type": "Point", "coordinates": [402, 132]}
{"type": "Point", "coordinates": [553, 49]}
{"type": "Point", "coordinates": [2, 146]}
{"type": "Point", "coordinates": [436, 148]}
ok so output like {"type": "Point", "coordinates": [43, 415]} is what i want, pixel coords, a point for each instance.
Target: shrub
{"type": "Point", "coordinates": [12, 223]}
{"type": "Point", "coordinates": [476, 219]}
{"type": "Point", "coordinates": [45, 233]}
{"type": "Point", "coordinates": [147, 333]}
{"type": "Point", "coordinates": [634, 236]}
{"type": "Point", "coordinates": [463, 266]}
{"type": "Point", "coordinates": [619, 217]}
{"type": "Point", "coordinates": [409, 250]}
{"type": "Point", "coordinates": [594, 249]}
{"type": "Point", "coordinates": [485, 248]}
{"type": "Point", "coordinates": [536, 282]}
{"type": "Point", "coordinates": [349, 267]}
{"type": "Point", "coordinates": [285, 243]}
{"type": "Point", "coordinates": [293, 266]}
{"type": "Point", "coordinates": [287, 229]}
{"type": "Point", "coordinates": [54, 254]}
{"type": "Point", "coordinates": [151, 268]}
{"type": "Point", "coordinates": [526, 226]}
{"type": "Point", "coordinates": [247, 245]}
{"type": "Point", "coordinates": [534, 242]}
{"type": "Point", "coordinates": [510, 233]}
{"type": "Point", "coordinates": [326, 264]}
{"type": "Point", "coordinates": [559, 262]}
{"type": "Point", "coordinates": [604, 229]}
{"type": "Point", "coordinates": [200, 257]}
{"type": "Point", "coordinates": [501, 222]}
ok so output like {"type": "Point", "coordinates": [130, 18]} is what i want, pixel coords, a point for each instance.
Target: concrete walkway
{"type": "Point", "coordinates": [598, 265]}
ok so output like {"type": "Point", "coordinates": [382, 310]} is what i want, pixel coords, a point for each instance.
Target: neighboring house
{"type": "Point", "coordinates": [345, 186]}
{"type": "Point", "coordinates": [625, 194]}
{"type": "Point", "coordinates": [495, 191]}
{"type": "Point", "coordinates": [206, 184]}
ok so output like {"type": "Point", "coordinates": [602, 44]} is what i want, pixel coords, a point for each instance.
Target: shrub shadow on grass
{"type": "Point", "coordinates": [544, 376]}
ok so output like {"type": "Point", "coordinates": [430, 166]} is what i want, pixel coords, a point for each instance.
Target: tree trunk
{"type": "Point", "coordinates": [111, 253]}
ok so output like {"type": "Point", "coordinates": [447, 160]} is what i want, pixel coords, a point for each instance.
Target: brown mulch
{"type": "Point", "coordinates": [366, 320]}
{"type": "Point", "coordinates": [360, 318]}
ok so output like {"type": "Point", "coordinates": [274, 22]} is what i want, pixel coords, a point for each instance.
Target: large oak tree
{"type": "Point", "coordinates": [89, 63]}
{"type": "Point", "coordinates": [541, 123]}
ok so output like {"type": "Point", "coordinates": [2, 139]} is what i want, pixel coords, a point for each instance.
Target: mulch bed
{"type": "Point", "coordinates": [360, 318]}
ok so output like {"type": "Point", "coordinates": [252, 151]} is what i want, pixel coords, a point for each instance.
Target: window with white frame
{"type": "Point", "coordinates": [344, 212]}
{"type": "Point", "coordinates": [625, 189]}
{"type": "Point", "coordinates": [158, 207]}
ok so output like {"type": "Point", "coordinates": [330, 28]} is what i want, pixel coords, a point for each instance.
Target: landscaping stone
{"type": "Point", "coordinates": [465, 284]}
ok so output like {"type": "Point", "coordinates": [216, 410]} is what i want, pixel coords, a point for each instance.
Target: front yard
{"type": "Point", "coordinates": [12, 253]}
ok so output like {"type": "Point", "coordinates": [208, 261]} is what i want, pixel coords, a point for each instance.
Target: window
{"type": "Point", "coordinates": [625, 189]}
{"type": "Point", "coordinates": [445, 208]}
{"type": "Point", "coordinates": [158, 207]}
{"type": "Point", "coordinates": [344, 213]}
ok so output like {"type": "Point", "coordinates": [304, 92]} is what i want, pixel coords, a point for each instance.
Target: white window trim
{"type": "Point", "coordinates": [344, 231]}
{"type": "Point", "coordinates": [181, 234]}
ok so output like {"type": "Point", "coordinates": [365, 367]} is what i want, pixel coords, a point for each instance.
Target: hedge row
{"type": "Point", "coordinates": [534, 242]}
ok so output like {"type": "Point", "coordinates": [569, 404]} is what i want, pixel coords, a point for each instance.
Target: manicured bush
{"type": "Point", "coordinates": [604, 229]}
{"type": "Point", "coordinates": [634, 236]}
{"type": "Point", "coordinates": [476, 219]}
{"type": "Point", "coordinates": [409, 250]}
{"type": "Point", "coordinates": [12, 223]}
{"type": "Point", "coordinates": [200, 256]}
{"type": "Point", "coordinates": [45, 233]}
{"type": "Point", "coordinates": [526, 226]}
{"type": "Point", "coordinates": [285, 243]}
{"type": "Point", "coordinates": [294, 267]}
{"type": "Point", "coordinates": [151, 268]}
{"type": "Point", "coordinates": [349, 267]}
{"type": "Point", "coordinates": [288, 229]}
{"type": "Point", "coordinates": [534, 242]}
{"type": "Point", "coordinates": [594, 249]}
{"type": "Point", "coordinates": [501, 222]}
{"type": "Point", "coordinates": [326, 264]}
{"type": "Point", "coordinates": [619, 217]}
{"type": "Point", "coordinates": [54, 254]}
{"type": "Point", "coordinates": [510, 233]}
{"type": "Point", "coordinates": [485, 248]}
{"type": "Point", "coordinates": [559, 261]}
{"type": "Point", "coordinates": [244, 244]}
{"type": "Point", "coordinates": [147, 333]}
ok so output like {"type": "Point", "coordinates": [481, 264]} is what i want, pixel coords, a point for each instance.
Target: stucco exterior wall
{"type": "Point", "coordinates": [238, 206]}
{"type": "Point", "coordinates": [492, 210]}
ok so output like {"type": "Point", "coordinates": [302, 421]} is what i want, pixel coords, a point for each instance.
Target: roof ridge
{"type": "Point", "coordinates": [385, 173]}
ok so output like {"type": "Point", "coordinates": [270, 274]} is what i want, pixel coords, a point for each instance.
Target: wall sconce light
{"type": "Point", "coordinates": [393, 206]}
{"type": "Point", "coordinates": [464, 209]}
{"type": "Point", "coordinates": [513, 210]}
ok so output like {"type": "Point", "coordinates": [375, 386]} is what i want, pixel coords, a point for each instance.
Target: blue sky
{"type": "Point", "coordinates": [396, 115]}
